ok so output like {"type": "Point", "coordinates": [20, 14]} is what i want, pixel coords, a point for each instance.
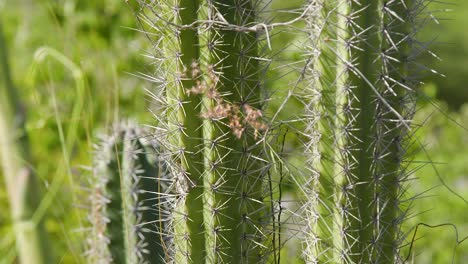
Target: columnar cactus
{"type": "Point", "coordinates": [235, 165]}
{"type": "Point", "coordinates": [125, 201]}
{"type": "Point", "coordinates": [363, 87]}
{"type": "Point", "coordinates": [208, 88]}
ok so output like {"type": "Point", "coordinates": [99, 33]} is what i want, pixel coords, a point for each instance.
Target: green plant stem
{"type": "Point", "coordinates": [115, 190]}
{"type": "Point", "coordinates": [20, 179]}
{"type": "Point", "coordinates": [181, 49]}
{"type": "Point", "coordinates": [139, 177]}
{"type": "Point", "coordinates": [124, 219]}
{"type": "Point", "coordinates": [342, 100]}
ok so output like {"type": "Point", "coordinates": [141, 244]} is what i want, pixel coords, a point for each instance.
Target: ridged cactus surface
{"type": "Point", "coordinates": [362, 77]}
{"type": "Point", "coordinates": [210, 125]}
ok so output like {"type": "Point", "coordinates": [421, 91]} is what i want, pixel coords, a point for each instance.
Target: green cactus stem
{"type": "Point", "coordinates": [236, 215]}
{"type": "Point", "coordinates": [211, 122]}
{"type": "Point", "coordinates": [362, 56]}
{"type": "Point", "coordinates": [177, 48]}
{"type": "Point", "coordinates": [323, 31]}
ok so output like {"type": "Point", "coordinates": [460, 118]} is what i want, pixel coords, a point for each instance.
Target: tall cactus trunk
{"type": "Point", "coordinates": [211, 119]}
{"type": "Point", "coordinates": [178, 50]}
{"type": "Point", "coordinates": [362, 55]}
{"type": "Point", "coordinates": [22, 184]}
{"type": "Point", "coordinates": [235, 166]}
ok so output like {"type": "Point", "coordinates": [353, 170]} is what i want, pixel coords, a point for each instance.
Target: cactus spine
{"type": "Point", "coordinates": [367, 47]}
{"type": "Point", "coordinates": [126, 224]}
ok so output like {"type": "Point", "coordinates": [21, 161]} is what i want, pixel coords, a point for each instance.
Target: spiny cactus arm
{"type": "Point", "coordinates": [355, 29]}
{"type": "Point", "coordinates": [106, 243]}
{"type": "Point", "coordinates": [21, 182]}
{"type": "Point", "coordinates": [235, 212]}
{"type": "Point", "coordinates": [175, 49]}
{"type": "Point", "coordinates": [342, 177]}
{"type": "Point", "coordinates": [364, 29]}
{"type": "Point", "coordinates": [212, 179]}
{"type": "Point", "coordinates": [322, 27]}
{"type": "Point", "coordinates": [141, 201]}
{"type": "Point", "coordinates": [179, 49]}
{"type": "Point", "coordinates": [152, 219]}
{"type": "Point", "coordinates": [373, 104]}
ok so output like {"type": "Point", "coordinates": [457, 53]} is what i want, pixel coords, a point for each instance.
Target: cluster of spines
{"type": "Point", "coordinates": [361, 94]}
{"type": "Point", "coordinates": [125, 203]}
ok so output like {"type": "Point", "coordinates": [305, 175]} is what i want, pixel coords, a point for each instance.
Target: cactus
{"type": "Point", "coordinates": [236, 214]}
{"type": "Point", "coordinates": [359, 94]}
{"type": "Point", "coordinates": [208, 90]}
{"type": "Point", "coordinates": [125, 210]}
{"type": "Point", "coordinates": [360, 73]}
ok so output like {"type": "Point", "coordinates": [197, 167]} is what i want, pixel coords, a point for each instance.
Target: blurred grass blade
{"type": "Point", "coordinates": [20, 179]}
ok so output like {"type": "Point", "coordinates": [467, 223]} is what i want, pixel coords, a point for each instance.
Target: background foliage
{"type": "Point", "coordinates": [97, 37]}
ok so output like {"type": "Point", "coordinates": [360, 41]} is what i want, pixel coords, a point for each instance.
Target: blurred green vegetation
{"type": "Point", "coordinates": [97, 36]}
{"type": "Point", "coordinates": [447, 36]}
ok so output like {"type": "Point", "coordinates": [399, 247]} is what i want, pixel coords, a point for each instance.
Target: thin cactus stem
{"type": "Point", "coordinates": [342, 110]}
{"type": "Point", "coordinates": [98, 241]}
{"type": "Point", "coordinates": [114, 188]}
{"type": "Point", "coordinates": [22, 184]}
{"type": "Point", "coordinates": [323, 84]}
{"type": "Point", "coordinates": [364, 29]}
{"type": "Point", "coordinates": [211, 181]}
{"type": "Point", "coordinates": [397, 88]}
{"type": "Point", "coordinates": [141, 201]}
